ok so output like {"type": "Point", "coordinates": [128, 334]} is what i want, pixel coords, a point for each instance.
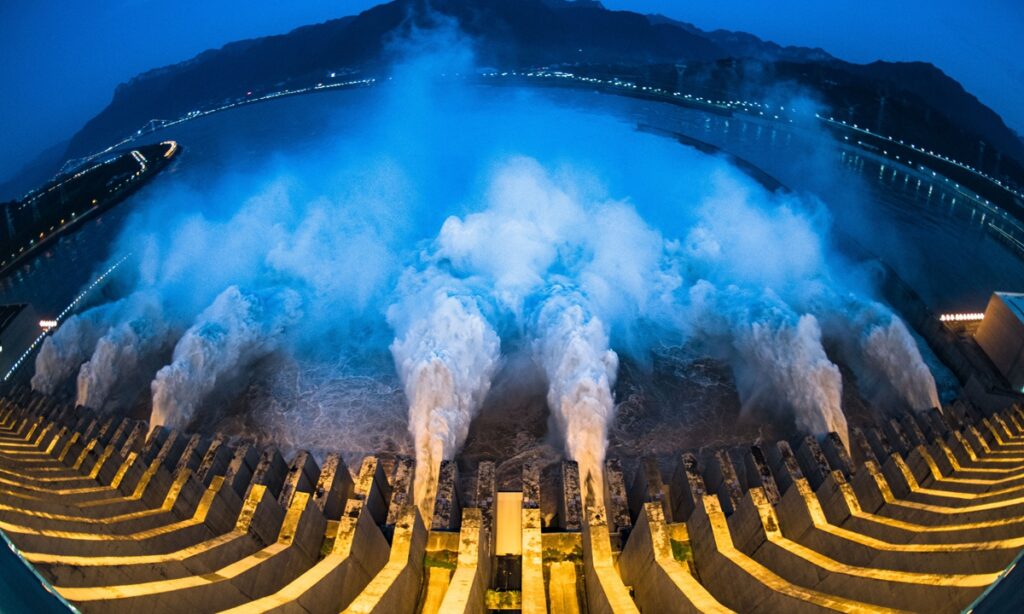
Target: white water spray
{"type": "Point", "coordinates": [446, 354]}
{"type": "Point", "coordinates": [572, 347]}
{"type": "Point", "coordinates": [776, 354]}
{"type": "Point", "coordinates": [880, 349]}
{"type": "Point", "coordinates": [893, 350]}
{"type": "Point", "coordinates": [122, 352]}
{"type": "Point", "coordinates": [227, 337]}
{"type": "Point", "coordinates": [67, 348]}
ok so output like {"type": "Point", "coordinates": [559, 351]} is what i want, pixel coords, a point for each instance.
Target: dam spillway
{"type": "Point", "coordinates": [923, 514]}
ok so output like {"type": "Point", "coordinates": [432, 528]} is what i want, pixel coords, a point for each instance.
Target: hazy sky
{"type": "Point", "coordinates": [60, 60]}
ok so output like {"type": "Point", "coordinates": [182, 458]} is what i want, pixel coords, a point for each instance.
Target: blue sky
{"type": "Point", "coordinates": [60, 60]}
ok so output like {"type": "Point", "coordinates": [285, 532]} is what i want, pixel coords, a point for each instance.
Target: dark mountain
{"type": "Point", "coordinates": [744, 45]}
{"type": "Point", "coordinates": [939, 91]}
{"type": "Point", "coordinates": [34, 173]}
{"type": "Point", "coordinates": [506, 33]}
{"type": "Point", "coordinates": [926, 83]}
{"type": "Point", "coordinates": [530, 33]}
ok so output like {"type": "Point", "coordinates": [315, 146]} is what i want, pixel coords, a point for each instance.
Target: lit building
{"type": "Point", "coordinates": [1001, 336]}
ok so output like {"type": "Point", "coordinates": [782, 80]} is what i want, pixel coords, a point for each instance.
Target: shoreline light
{"type": "Point", "coordinates": [961, 317]}
{"type": "Point", "coordinates": [61, 315]}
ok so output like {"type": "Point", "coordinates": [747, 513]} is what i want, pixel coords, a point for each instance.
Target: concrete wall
{"type": "Point", "coordinates": [1001, 336]}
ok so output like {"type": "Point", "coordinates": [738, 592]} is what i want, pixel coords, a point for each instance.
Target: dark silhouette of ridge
{"type": "Point", "coordinates": [915, 101]}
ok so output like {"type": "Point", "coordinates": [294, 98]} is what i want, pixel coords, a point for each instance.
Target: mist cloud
{"type": "Point", "coordinates": [438, 226]}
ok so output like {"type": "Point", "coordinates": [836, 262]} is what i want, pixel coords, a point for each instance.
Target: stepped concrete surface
{"type": "Point", "coordinates": [923, 512]}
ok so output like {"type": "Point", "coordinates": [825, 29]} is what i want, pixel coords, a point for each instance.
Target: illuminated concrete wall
{"type": "Point", "coordinates": [924, 514]}
{"type": "Point", "coordinates": [1001, 335]}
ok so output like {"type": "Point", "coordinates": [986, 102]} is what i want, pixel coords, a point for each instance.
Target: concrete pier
{"type": "Point", "coordinates": [468, 585]}
{"type": "Point", "coordinates": [570, 504]}
{"type": "Point", "coordinates": [606, 592]}
{"type": "Point", "coordinates": [396, 586]}
{"type": "Point", "coordinates": [615, 500]}
{"type": "Point", "coordinates": [647, 486]}
{"type": "Point", "coordinates": [660, 582]}
{"type": "Point", "coordinates": [448, 501]}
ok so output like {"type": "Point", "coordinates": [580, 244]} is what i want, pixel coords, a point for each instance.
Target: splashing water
{"type": "Point", "coordinates": [446, 354]}
{"type": "Point", "coordinates": [121, 354]}
{"type": "Point", "coordinates": [879, 348]}
{"type": "Point", "coordinates": [572, 347]}
{"type": "Point", "coordinates": [233, 332]}
{"type": "Point", "coordinates": [66, 349]}
{"type": "Point", "coordinates": [892, 348]}
{"type": "Point", "coordinates": [777, 355]}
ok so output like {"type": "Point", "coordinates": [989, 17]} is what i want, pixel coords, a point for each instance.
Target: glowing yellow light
{"type": "Point", "coordinates": [961, 317]}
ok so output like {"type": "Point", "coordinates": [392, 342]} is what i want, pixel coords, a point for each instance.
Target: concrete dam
{"type": "Point", "coordinates": [925, 514]}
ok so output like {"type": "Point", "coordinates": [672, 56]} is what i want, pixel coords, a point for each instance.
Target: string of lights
{"type": "Point", "coordinates": [961, 317]}
{"type": "Point", "coordinates": [51, 325]}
